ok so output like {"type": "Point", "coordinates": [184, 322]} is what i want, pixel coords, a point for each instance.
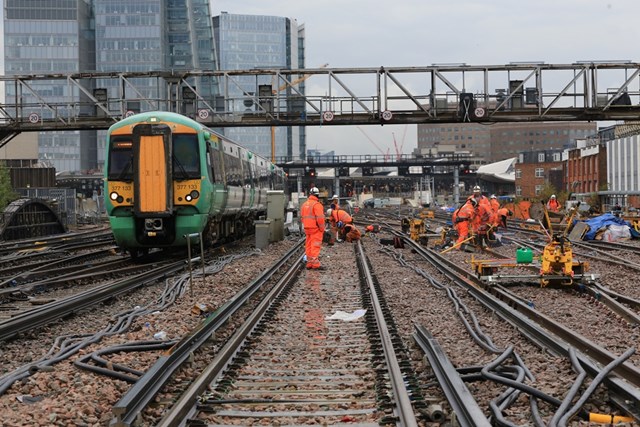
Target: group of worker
{"type": "Point", "coordinates": [481, 216]}
{"type": "Point", "coordinates": [312, 216]}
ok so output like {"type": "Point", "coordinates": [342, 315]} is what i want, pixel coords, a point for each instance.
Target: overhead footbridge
{"type": "Point", "coordinates": [440, 93]}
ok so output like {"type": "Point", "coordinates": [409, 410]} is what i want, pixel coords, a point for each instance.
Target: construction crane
{"type": "Point", "coordinates": [385, 154]}
{"type": "Point", "coordinates": [274, 93]}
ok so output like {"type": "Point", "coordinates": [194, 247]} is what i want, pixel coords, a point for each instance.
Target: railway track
{"type": "Point", "coordinates": [290, 362]}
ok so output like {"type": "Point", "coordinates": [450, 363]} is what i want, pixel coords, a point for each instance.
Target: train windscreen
{"type": "Point", "coordinates": [121, 159]}
{"type": "Point", "coordinates": [186, 157]}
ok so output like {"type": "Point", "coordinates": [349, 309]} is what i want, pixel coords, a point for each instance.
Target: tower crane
{"type": "Point", "coordinates": [274, 92]}
{"type": "Point", "coordinates": [385, 154]}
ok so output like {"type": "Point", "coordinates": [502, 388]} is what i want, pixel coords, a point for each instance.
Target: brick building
{"type": "Point", "coordinates": [585, 167]}
{"type": "Point", "coordinates": [534, 170]}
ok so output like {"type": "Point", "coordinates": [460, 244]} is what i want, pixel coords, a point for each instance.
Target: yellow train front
{"type": "Point", "coordinates": [167, 177]}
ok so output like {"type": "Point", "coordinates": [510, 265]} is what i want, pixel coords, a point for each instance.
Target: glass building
{"type": "Point", "coordinates": [66, 36]}
{"type": "Point", "coordinates": [245, 42]}
{"type": "Point", "coordinates": [154, 35]}
{"type": "Point", "coordinates": [44, 37]}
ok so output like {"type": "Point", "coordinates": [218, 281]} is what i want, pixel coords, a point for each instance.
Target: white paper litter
{"type": "Point", "coordinates": [347, 317]}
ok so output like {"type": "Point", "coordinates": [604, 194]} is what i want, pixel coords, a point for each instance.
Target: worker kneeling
{"type": "Point", "coordinates": [350, 233]}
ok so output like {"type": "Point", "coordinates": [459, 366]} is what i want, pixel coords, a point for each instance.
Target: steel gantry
{"type": "Point", "coordinates": [589, 90]}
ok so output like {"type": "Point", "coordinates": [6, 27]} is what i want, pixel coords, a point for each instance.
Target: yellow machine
{"type": "Point", "coordinates": [555, 265]}
{"type": "Point", "coordinates": [417, 230]}
{"type": "Point", "coordinates": [427, 214]}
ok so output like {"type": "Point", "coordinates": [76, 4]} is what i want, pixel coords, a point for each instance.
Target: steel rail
{"type": "Point", "coordinates": [131, 404]}
{"type": "Point", "coordinates": [544, 331]}
{"type": "Point", "coordinates": [58, 309]}
{"type": "Point", "coordinates": [468, 412]}
{"type": "Point", "coordinates": [402, 401]}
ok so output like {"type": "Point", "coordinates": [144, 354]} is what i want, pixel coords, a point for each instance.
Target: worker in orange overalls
{"type": "Point", "coordinates": [312, 217]}
{"type": "Point", "coordinates": [480, 198]}
{"type": "Point", "coordinates": [462, 220]}
{"type": "Point", "coordinates": [340, 218]}
{"type": "Point", "coordinates": [501, 217]}
{"type": "Point", "coordinates": [495, 204]}
{"type": "Point", "coordinates": [482, 222]}
{"type": "Point", "coordinates": [351, 233]}
{"type": "Point", "coordinates": [553, 205]}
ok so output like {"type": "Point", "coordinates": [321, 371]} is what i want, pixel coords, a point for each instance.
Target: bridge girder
{"type": "Point", "coordinates": [589, 91]}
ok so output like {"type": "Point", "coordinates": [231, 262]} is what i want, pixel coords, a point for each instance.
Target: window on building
{"type": "Point", "coordinates": [556, 157]}
{"type": "Point", "coordinates": [539, 172]}
{"type": "Point", "coordinates": [538, 189]}
{"type": "Point", "coordinates": [518, 191]}
{"type": "Point", "coordinates": [540, 157]}
{"type": "Point", "coordinates": [518, 173]}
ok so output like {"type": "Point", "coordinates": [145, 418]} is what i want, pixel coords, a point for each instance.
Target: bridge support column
{"type": "Point", "coordinates": [456, 185]}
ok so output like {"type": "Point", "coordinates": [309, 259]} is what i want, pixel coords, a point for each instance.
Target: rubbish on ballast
{"type": "Point", "coordinates": [162, 335]}
{"type": "Point", "coordinates": [347, 317]}
{"type": "Point", "coordinates": [28, 399]}
{"type": "Point", "coordinates": [201, 308]}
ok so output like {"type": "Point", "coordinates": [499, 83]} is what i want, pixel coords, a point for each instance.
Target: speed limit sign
{"type": "Point", "coordinates": [34, 118]}
{"type": "Point", "coordinates": [479, 112]}
{"type": "Point", "coordinates": [129, 113]}
{"type": "Point", "coordinates": [327, 116]}
{"type": "Point", "coordinates": [203, 114]}
{"type": "Point", "coordinates": [387, 115]}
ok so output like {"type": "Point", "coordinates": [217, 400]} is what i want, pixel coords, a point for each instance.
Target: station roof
{"type": "Point", "coordinates": [500, 172]}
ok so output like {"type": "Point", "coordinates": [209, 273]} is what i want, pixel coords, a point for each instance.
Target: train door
{"type": "Point", "coordinates": [152, 165]}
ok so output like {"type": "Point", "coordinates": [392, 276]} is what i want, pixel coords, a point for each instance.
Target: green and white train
{"type": "Point", "coordinates": [168, 176]}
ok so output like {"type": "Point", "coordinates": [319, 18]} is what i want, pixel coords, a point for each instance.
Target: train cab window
{"type": "Point", "coordinates": [186, 157]}
{"type": "Point", "coordinates": [121, 159]}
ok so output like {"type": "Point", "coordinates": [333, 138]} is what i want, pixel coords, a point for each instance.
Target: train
{"type": "Point", "coordinates": [168, 177]}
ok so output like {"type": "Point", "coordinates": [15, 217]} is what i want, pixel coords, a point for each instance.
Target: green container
{"type": "Point", "coordinates": [524, 256]}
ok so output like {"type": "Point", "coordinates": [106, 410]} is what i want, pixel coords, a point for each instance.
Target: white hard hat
{"type": "Point", "coordinates": [476, 189]}
{"type": "Point", "coordinates": [553, 196]}
{"type": "Point", "coordinates": [335, 196]}
{"type": "Point", "coordinates": [329, 212]}
{"type": "Point", "coordinates": [314, 191]}
{"type": "Point", "coordinates": [493, 196]}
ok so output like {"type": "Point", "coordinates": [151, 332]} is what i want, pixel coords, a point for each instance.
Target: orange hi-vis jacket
{"type": "Point", "coordinates": [339, 215]}
{"type": "Point", "coordinates": [312, 214]}
{"type": "Point", "coordinates": [495, 205]}
{"type": "Point", "coordinates": [553, 205]}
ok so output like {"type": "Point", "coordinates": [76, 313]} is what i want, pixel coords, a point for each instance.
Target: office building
{"type": "Point", "coordinates": [66, 36]}
{"type": "Point", "coordinates": [245, 42]}
{"type": "Point", "coordinates": [46, 37]}
{"type": "Point", "coordinates": [499, 141]}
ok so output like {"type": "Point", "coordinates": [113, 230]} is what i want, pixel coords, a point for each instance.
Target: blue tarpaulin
{"type": "Point", "coordinates": [603, 221]}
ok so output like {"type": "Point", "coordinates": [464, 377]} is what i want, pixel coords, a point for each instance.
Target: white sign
{"type": "Point", "coordinates": [327, 116]}
{"type": "Point", "coordinates": [203, 114]}
{"type": "Point", "coordinates": [387, 115]}
{"type": "Point", "coordinates": [129, 113]}
{"type": "Point", "coordinates": [34, 118]}
{"type": "Point", "coordinates": [479, 112]}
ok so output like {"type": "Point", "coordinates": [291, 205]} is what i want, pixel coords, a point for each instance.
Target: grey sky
{"type": "Point", "coordinates": [364, 33]}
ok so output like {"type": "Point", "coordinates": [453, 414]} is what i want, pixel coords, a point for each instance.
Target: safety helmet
{"type": "Point", "coordinates": [476, 189]}
{"type": "Point", "coordinates": [329, 211]}
{"type": "Point", "coordinates": [493, 196]}
{"type": "Point", "coordinates": [553, 196]}
{"type": "Point", "coordinates": [314, 191]}
{"type": "Point", "coordinates": [335, 196]}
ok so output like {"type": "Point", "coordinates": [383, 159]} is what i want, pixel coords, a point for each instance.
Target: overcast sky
{"type": "Point", "coordinates": [365, 33]}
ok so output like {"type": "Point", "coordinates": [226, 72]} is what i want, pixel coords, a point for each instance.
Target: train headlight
{"type": "Point", "coordinates": [191, 196]}
{"type": "Point", "coordinates": [116, 197]}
